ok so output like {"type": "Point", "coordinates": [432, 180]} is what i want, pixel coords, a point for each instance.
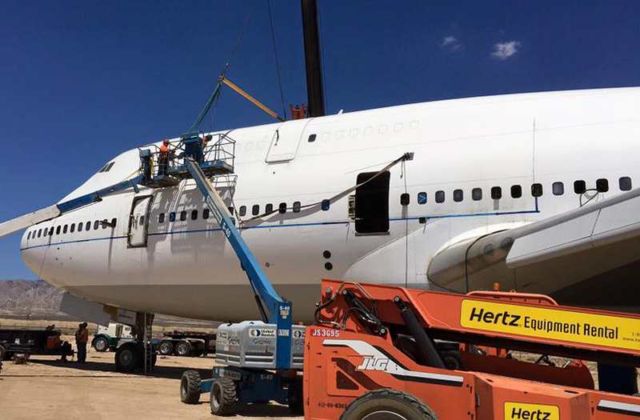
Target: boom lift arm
{"type": "Point", "coordinates": [274, 308]}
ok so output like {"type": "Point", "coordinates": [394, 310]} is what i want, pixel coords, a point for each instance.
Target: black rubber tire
{"type": "Point", "coordinates": [165, 347]}
{"type": "Point", "coordinates": [223, 399]}
{"type": "Point", "coordinates": [190, 387]}
{"type": "Point", "coordinates": [183, 348]}
{"type": "Point", "coordinates": [387, 404]}
{"type": "Point", "coordinates": [295, 398]}
{"type": "Point", "coordinates": [128, 358]}
{"type": "Point", "coordinates": [100, 344]}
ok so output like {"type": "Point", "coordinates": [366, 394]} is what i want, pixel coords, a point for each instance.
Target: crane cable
{"type": "Point", "coordinates": [215, 95]}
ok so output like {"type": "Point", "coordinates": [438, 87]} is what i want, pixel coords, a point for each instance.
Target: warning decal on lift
{"type": "Point", "coordinates": [524, 411]}
{"type": "Point", "coordinates": [557, 324]}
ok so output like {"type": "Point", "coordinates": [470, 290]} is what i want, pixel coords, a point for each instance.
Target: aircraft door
{"type": "Point", "coordinates": [139, 221]}
{"type": "Point", "coordinates": [286, 140]}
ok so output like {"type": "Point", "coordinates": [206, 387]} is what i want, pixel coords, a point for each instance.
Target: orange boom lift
{"type": "Point", "coordinates": [383, 352]}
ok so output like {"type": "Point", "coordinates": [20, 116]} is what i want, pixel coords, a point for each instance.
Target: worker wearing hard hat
{"type": "Point", "coordinates": [163, 157]}
{"type": "Point", "coordinates": [82, 337]}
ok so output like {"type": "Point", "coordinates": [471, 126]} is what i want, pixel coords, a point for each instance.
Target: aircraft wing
{"type": "Point", "coordinates": [584, 256]}
{"type": "Point", "coordinates": [28, 219]}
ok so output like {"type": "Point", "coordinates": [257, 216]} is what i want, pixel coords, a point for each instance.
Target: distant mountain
{"type": "Point", "coordinates": [30, 299]}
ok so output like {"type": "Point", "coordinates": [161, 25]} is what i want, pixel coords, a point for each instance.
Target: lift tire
{"type": "Point", "coordinates": [387, 404]}
{"type": "Point", "coordinates": [101, 344]}
{"type": "Point", "coordinates": [183, 348]}
{"type": "Point", "coordinates": [165, 348]}
{"type": "Point", "coordinates": [128, 358]}
{"type": "Point", "coordinates": [190, 387]}
{"type": "Point", "coordinates": [224, 398]}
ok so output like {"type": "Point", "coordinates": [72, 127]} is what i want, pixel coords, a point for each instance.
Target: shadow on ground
{"type": "Point", "coordinates": [158, 371]}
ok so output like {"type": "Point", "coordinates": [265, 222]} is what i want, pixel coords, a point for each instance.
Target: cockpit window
{"type": "Point", "coordinates": [107, 167]}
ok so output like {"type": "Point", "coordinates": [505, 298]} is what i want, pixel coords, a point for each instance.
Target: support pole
{"type": "Point", "coordinates": [315, 91]}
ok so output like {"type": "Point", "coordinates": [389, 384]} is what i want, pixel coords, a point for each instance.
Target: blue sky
{"type": "Point", "coordinates": [81, 81]}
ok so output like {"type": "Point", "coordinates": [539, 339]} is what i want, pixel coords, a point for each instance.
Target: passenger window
{"type": "Point", "coordinates": [579, 187]}
{"type": "Point", "coordinates": [404, 199]}
{"type": "Point", "coordinates": [602, 185]}
{"type": "Point", "coordinates": [80, 226]}
{"type": "Point", "coordinates": [183, 215]}
{"type": "Point", "coordinates": [516, 191]}
{"type": "Point", "coordinates": [536, 190]}
{"type": "Point", "coordinates": [439, 196]}
{"type": "Point", "coordinates": [172, 216]}
{"type": "Point", "coordinates": [28, 236]}
{"type": "Point", "coordinates": [58, 229]}
{"type": "Point", "coordinates": [205, 214]}
{"type": "Point", "coordinates": [282, 208]}
{"type": "Point", "coordinates": [457, 195]}
{"type": "Point", "coordinates": [625, 183]}
{"type": "Point", "coordinates": [496, 193]}
{"type": "Point", "coordinates": [243, 210]}
{"type": "Point", "coordinates": [161, 218]}
{"type": "Point", "coordinates": [268, 208]}
{"type": "Point", "coordinates": [296, 207]}
{"type": "Point", "coordinates": [558, 188]}
{"type": "Point", "coordinates": [51, 231]}
{"type": "Point", "coordinates": [476, 194]}
{"type": "Point", "coordinates": [39, 232]}
{"type": "Point", "coordinates": [114, 222]}
{"type": "Point", "coordinates": [96, 224]}
{"type": "Point", "coordinates": [64, 229]}
{"type": "Point", "coordinates": [87, 226]}
{"type": "Point", "coordinates": [45, 231]}
{"type": "Point", "coordinates": [312, 138]}
{"type": "Point", "coordinates": [194, 214]}
{"type": "Point", "coordinates": [422, 198]}
{"type": "Point", "coordinates": [372, 202]}
{"type": "Point", "coordinates": [325, 204]}
{"type": "Point", "coordinates": [73, 227]}
{"type": "Point", "coordinates": [255, 210]}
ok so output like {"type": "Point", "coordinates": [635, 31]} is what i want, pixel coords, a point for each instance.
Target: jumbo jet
{"type": "Point", "coordinates": [531, 192]}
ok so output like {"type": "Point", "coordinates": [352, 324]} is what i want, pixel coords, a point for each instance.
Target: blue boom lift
{"type": "Point", "coordinates": [259, 364]}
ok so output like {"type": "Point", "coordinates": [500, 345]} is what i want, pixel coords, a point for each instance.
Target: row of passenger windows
{"type": "Point", "coordinates": [242, 211]}
{"type": "Point", "coordinates": [71, 228]}
{"type": "Point", "coordinates": [557, 188]}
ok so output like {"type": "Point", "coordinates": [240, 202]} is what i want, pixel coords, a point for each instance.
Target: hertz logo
{"type": "Point", "coordinates": [488, 317]}
{"type": "Point", "coordinates": [522, 411]}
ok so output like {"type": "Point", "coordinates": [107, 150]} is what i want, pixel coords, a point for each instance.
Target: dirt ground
{"type": "Point", "coordinates": [48, 388]}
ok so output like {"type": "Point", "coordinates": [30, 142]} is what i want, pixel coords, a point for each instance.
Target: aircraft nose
{"type": "Point", "coordinates": [28, 253]}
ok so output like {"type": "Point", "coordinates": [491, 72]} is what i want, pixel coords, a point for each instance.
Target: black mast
{"type": "Point", "coordinates": [315, 92]}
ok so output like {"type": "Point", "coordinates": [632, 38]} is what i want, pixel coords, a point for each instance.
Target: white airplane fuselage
{"type": "Point", "coordinates": [188, 269]}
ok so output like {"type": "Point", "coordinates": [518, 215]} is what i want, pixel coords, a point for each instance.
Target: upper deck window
{"type": "Point", "coordinates": [107, 167]}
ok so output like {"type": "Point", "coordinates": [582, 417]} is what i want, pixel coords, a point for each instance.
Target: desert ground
{"type": "Point", "coordinates": [47, 388]}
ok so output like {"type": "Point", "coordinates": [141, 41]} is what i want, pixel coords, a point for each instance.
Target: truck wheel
{"type": "Point", "coordinates": [190, 387]}
{"type": "Point", "coordinates": [127, 358]}
{"type": "Point", "coordinates": [387, 404]}
{"type": "Point", "coordinates": [101, 344]}
{"type": "Point", "coordinates": [224, 400]}
{"type": "Point", "coordinates": [165, 348]}
{"type": "Point", "coordinates": [183, 348]}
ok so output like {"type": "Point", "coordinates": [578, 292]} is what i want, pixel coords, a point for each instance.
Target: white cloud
{"type": "Point", "coordinates": [504, 50]}
{"type": "Point", "coordinates": [451, 43]}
